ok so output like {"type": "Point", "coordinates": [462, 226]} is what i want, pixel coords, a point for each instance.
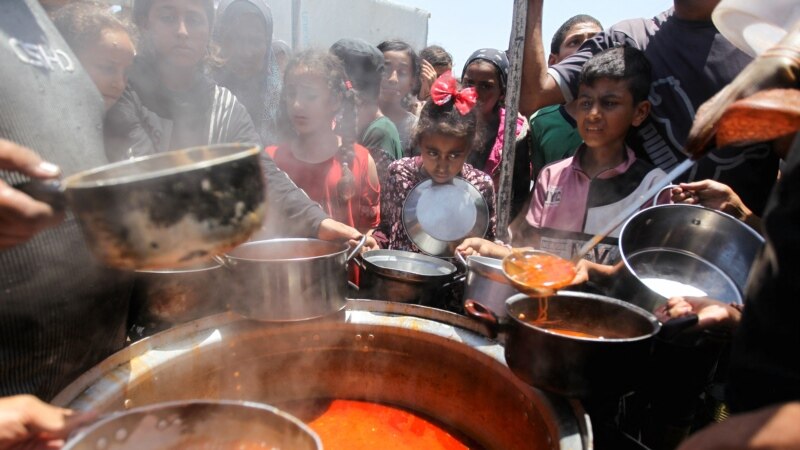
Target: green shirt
{"type": "Point", "coordinates": [554, 136]}
{"type": "Point", "coordinates": [382, 134]}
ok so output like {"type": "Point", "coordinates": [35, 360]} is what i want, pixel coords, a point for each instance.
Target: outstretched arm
{"type": "Point", "coordinates": [538, 88]}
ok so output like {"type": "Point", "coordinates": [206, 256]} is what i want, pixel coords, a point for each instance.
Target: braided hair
{"type": "Point", "coordinates": [329, 68]}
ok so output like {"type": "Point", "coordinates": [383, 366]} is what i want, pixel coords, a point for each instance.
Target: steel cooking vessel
{"type": "Point", "coordinates": [288, 279]}
{"type": "Point", "coordinates": [680, 249]}
{"type": "Point", "coordinates": [166, 210]}
{"type": "Point", "coordinates": [218, 424]}
{"type": "Point", "coordinates": [401, 276]}
{"type": "Point", "coordinates": [487, 284]}
{"type": "Point", "coordinates": [610, 361]}
{"type": "Point", "coordinates": [438, 365]}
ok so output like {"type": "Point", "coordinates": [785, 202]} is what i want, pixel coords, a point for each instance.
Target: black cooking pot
{"type": "Point", "coordinates": [406, 277]}
{"type": "Point", "coordinates": [167, 210]}
{"type": "Point", "coordinates": [578, 344]}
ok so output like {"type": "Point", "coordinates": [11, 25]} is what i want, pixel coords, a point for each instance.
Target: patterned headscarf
{"type": "Point", "coordinates": [497, 57]}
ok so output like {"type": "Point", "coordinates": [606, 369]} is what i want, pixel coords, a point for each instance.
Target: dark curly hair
{"type": "Point", "coordinates": [330, 68]}
{"type": "Point", "coordinates": [620, 63]}
{"type": "Point", "coordinates": [446, 119]}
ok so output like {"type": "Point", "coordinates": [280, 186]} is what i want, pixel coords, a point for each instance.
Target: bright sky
{"type": "Point", "coordinates": [463, 26]}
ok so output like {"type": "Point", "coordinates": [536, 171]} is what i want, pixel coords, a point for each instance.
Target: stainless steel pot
{"type": "Point", "coordinates": [166, 297]}
{"type": "Point", "coordinates": [487, 284]}
{"type": "Point", "coordinates": [609, 361]}
{"type": "Point", "coordinates": [166, 210]}
{"type": "Point", "coordinates": [197, 424]}
{"type": "Point", "coordinates": [426, 360]}
{"type": "Point", "coordinates": [680, 249]}
{"type": "Point", "coordinates": [401, 276]}
{"type": "Point", "coordinates": [289, 279]}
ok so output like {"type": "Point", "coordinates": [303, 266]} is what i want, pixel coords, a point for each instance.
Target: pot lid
{"type": "Point", "coordinates": [439, 216]}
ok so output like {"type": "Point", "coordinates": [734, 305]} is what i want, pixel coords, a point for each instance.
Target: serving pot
{"type": "Point", "coordinates": [406, 277]}
{"type": "Point", "coordinates": [289, 279]}
{"type": "Point", "coordinates": [196, 424]}
{"type": "Point", "coordinates": [610, 360]}
{"type": "Point", "coordinates": [167, 210]}
{"type": "Point", "coordinates": [670, 250]}
{"type": "Point", "coordinates": [429, 361]}
{"type": "Point", "coordinates": [486, 283]}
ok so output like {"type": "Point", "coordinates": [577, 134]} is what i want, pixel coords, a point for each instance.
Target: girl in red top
{"type": "Point", "coordinates": [333, 170]}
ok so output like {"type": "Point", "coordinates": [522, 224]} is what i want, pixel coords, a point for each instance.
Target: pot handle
{"type": "Point", "coordinates": [460, 258]}
{"type": "Point", "coordinates": [357, 248]}
{"type": "Point", "coordinates": [47, 191]}
{"type": "Point", "coordinates": [658, 194]}
{"type": "Point", "coordinates": [673, 327]}
{"type": "Point", "coordinates": [223, 261]}
{"type": "Point", "coordinates": [477, 311]}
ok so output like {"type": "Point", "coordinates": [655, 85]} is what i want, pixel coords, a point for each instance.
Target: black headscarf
{"type": "Point", "coordinates": [496, 57]}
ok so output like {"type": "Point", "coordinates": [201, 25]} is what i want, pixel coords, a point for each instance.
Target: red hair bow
{"type": "Point", "coordinates": [446, 87]}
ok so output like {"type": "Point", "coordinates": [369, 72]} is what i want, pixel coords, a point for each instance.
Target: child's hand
{"type": "Point", "coordinates": [427, 76]}
{"type": "Point", "coordinates": [482, 247]}
{"type": "Point", "coordinates": [711, 314]}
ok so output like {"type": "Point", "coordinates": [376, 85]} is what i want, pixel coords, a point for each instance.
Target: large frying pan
{"type": "Point", "coordinates": [167, 210]}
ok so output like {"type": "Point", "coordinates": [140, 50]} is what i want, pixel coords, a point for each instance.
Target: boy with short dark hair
{"type": "Point", "coordinates": [575, 198]}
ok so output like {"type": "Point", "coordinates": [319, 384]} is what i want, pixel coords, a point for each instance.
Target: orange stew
{"type": "Point", "coordinates": [574, 333]}
{"type": "Point", "coordinates": [543, 271]}
{"type": "Point", "coordinates": [356, 425]}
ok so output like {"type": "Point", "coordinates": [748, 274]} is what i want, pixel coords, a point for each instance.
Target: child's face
{"type": "Point", "coordinates": [606, 112]}
{"type": "Point", "coordinates": [244, 45]}
{"type": "Point", "coordinates": [482, 75]}
{"type": "Point", "coordinates": [107, 61]}
{"type": "Point", "coordinates": [575, 36]}
{"type": "Point", "coordinates": [398, 77]}
{"type": "Point", "coordinates": [179, 31]}
{"type": "Point", "coordinates": [309, 104]}
{"type": "Point", "coordinates": [443, 156]}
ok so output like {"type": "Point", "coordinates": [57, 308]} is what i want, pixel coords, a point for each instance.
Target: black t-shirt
{"type": "Point", "coordinates": [691, 61]}
{"type": "Point", "coordinates": [765, 360]}
{"type": "Point", "coordinates": [60, 311]}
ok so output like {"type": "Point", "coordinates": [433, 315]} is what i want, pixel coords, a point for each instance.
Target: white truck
{"type": "Point", "coordinates": [320, 23]}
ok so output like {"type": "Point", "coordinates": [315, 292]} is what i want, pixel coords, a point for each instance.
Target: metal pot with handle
{"type": "Point", "coordinates": [405, 277]}
{"type": "Point", "coordinates": [167, 210]}
{"type": "Point", "coordinates": [684, 250]}
{"type": "Point", "coordinates": [486, 283]}
{"type": "Point", "coordinates": [289, 279]}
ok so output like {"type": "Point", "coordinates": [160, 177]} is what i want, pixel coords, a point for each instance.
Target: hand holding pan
{"type": "Point", "coordinates": [778, 67]}
{"type": "Point", "coordinates": [167, 210]}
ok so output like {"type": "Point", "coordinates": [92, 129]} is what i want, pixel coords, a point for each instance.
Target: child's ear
{"type": "Point", "coordinates": [640, 112]}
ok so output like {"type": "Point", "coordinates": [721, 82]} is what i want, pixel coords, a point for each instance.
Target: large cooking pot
{"type": "Point", "coordinates": [197, 424]}
{"type": "Point", "coordinates": [406, 277]}
{"type": "Point", "coordinates": [486, 283]}
{"type": "Point", "coordinates": [166, 210]}
{"type": "Point", "coordinates": [165, 297]}
{"type": "Point", "coordinates": [577, 344]}
{"type": "Point", "coordinates": [289, 279]}
{"type": "Point", "coordinates": [428, 361]}
{"type": "Point", "coordinates": [677, 250]}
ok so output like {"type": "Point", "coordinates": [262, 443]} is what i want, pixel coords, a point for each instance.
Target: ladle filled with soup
{"type": "Point", "coordinates": [537, 273]}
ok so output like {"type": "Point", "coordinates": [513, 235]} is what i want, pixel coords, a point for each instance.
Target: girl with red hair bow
{"type": "Point", "coordinates": [445, 135]}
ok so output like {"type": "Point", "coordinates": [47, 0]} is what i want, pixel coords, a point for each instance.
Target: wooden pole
{"type": "Point", "coordinates": [515, 50]}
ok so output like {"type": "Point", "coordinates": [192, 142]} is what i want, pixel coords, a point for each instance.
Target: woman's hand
{"type": "Point", "coordinates": [482, 247]}
{"type": "Point", "coordinates": [28, 423]}
{"type": "Point", "coordinates": [427, 75]}
{"type": "Point", "coordinates": [22, 217]}
{"type": "Point", "coordinates": [711, 314]}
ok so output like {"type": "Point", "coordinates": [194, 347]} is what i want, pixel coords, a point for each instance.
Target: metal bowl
{"type": "Point", "coordinates": [223, 425]}
{"type": "Point", "coordinates": [438, 217]}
